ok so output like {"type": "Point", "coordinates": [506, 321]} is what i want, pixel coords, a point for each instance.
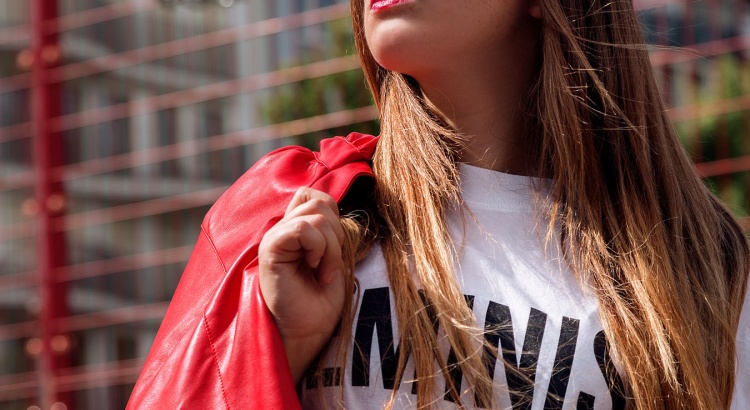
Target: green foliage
{"type": "Point", "coordinates": [716, 137]}
{"type": "Point", "coordinates": [317, 96]}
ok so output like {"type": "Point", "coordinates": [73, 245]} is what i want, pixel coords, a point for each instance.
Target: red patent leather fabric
{"type": "Point", "coordinates": [218, 346]}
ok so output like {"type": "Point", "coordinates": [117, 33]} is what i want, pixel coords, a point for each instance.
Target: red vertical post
{"type": "Point", "coordinates": [51, 247]}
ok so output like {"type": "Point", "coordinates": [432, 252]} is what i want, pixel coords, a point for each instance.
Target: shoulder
{"type": "Point", "coordinates": [258, 198]}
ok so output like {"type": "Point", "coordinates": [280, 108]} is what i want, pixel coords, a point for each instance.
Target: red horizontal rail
{"type": "Point", "coordinates": [23, 385]}
{"type": "Point", "coordinates": [710, 109]}
{"type": "Point", "coordinates": [103, 318]}
{"type": "Point", "coordinates": [15, 34]}
{"type": "Point", "coordinates": [204, 93]}
{"type": "Point", "coordinates": [19, 378]}
{"type": "Point", "coordinates": [641, 5]}
{"type": "Point", "coordinates": [17, 389]}
{"type": "Point", "coordinates": [70, 21]}
{"type": "Point", "coordinates": [143, 260]}
{"type": "Point", "coordinates": [198, 42]}
{"type": "Point", "coordinates": [88, 17]}
{"type": "Point", "coordinates": [182, 46]}
{"type": "Point", "coordinates": [16, 132]}
{"type": "Point", "coordinates": [130, 314]}
{"type": "Point", "coordinates": [137, 261]}
{"type": "Point", "coordinates": [663, 57]}
{"type": "Point", "coordinates": [139, 209]}
{"type": "Point", "coordinates": [117, 373]}
{"type": "Point", "coordinates": [191, 200]}
{"type": "Point", "coordinates": [723, 166]}
{"type": "Point", "coordinates": [15, 82]}
{"type": "Point", "coordinates": [187, 97]}
{"type": "Point", "coordinates": [19, 330]}
{"type": "Point", "coordinates": [17, 180]}
{"type": "Point", "coordinates": [18, 280]}
{"type": "Point", "coordinates": [18, 230]}
{"type": "Point", "coordinates": [215, 143]}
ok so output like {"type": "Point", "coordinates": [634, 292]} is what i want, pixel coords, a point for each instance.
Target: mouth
{"type": "Point", "coordinates": [378, 5]}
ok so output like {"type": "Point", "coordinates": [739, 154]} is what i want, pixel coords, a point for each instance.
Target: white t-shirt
{"type": "Point", "coordinates": [549, 324]}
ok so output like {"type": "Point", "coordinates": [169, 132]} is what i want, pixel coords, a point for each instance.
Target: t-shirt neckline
{"type": "Point", "coordinates": [499, 191]}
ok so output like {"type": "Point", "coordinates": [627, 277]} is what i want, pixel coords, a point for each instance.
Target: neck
{"type": "Point", "coordinates": [482, 101]}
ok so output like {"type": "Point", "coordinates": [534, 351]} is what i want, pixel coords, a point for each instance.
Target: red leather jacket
{"type": "Point", "coordinates": [218, 346]}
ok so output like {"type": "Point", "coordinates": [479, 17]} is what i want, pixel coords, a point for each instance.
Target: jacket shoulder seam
{"type": "Point", "coordinates": [213, 247]}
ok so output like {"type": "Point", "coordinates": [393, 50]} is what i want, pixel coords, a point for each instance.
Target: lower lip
{"type": "Point", "coordinates": [378, 5]}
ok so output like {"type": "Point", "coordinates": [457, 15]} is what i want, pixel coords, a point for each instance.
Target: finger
{"type": "Point", "coordinates": [318, 206]}
{"type": "Point", "coordinates": [294, 241]}
{"type": "Point", "coordinates": [326, 261]}
{"type": "Point", "coordinates": [331, 263]}
{"type": "Point", "coordinates": [312, 241]}
{"type": "Point", "coordinates": [305, 194]}
{"type": "Point", "coordinates": [318, 242]}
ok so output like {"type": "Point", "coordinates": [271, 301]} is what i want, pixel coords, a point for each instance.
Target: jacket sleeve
{"type": "Point", "coordinates": [218, 346]}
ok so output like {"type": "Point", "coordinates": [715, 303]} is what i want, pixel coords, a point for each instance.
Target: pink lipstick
{"type": "Point", "coordinates": [377, 5]}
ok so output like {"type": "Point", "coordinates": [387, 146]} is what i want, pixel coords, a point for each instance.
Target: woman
{"type": "Point", "coordinates": [532, 197]}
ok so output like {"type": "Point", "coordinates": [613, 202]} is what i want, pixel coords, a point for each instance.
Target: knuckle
{"type": "Point", "coordinates": [330, 202]}
{"type": "Point", "coordinates": [300, 193]}
{"type": "Point", "coordinates": [300, 226]}
{"type": "Point", "coordinates": [267, 247]}
{"type": "Point", "coordinates": [317, 203]}
{"type": "Point", "coordinates": [318, 221]}
{"type": "Point", "coordinates": [268, 238]}
{"type": "Point", "coordinates": [325, 203]}
{"type": "Point", "coordinates": [310, 201]}
{"type": "Point", "coordinates": [303, 190]}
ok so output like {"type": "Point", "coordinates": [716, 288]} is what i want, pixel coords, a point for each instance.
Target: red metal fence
{"type": "Point", "coordinates": [122, 121]}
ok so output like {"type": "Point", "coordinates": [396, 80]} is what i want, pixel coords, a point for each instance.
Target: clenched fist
{"type": "Point", "coordinates": [302, 275]}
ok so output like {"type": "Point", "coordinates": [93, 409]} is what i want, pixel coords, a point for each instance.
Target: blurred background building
{"type": "Point", "coordinates": [121, 121]}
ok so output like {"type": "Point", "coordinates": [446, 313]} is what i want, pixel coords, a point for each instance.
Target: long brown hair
{"type": "Point", "coordinates": [667, 261]}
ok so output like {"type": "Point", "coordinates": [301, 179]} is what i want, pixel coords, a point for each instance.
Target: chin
{"type": "Point", "coordinates": [397, 46]}
{"type": "Point", "coordinates": [389, 63]}
{"type": "Point", "coordinates": [397, 58]}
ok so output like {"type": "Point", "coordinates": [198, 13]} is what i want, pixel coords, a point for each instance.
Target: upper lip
{"type": "Point", "coordinates": [374, 3]}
